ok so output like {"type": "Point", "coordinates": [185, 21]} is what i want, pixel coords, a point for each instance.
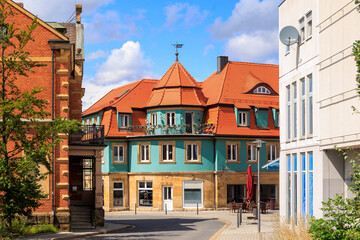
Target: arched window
{"type": "Point", "coordinates": [262, 90]}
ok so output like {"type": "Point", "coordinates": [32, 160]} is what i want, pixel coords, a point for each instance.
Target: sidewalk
{"type": "Point", "coordinates": [109, 227]}
{"type": "Point", "coordinates": [248, 230]}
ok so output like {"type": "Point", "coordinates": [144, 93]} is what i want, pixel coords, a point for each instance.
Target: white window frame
{"type": "Point", "coordinates": [170, 119]}
{"type": "Point", "coordinates": [168, 148]}
{"type": "Point", "coordinates": [310, 105]}
{"type": "Point", "coordinates": [116, 148]}
{"type": "Point", "coordinates": [233, 149]}
{"type": "Point", "coordinates": [124, 120]}
{"type": "Point", "coordinates": [192, 152]}
{"type": "Point", "coordinates": [118, 189]}
{"type": "Point", "coordinates": [144, 148]}
{"type": "Point", "coordinates": [288, 115]}
{"type": "Point", "coordinates": [294, 103]}
{"type": "Point", "coordinates": [153, 119]}
{"type": "Point", "coordinates": [243, 119]}
{"type": "Point", "coordinates": [272, 148]}
{"type": "Point", "coordinates": [309, 24]}
{"type": "Point", "coordinates": [302, 29]}
{"type": "Point", "coordinates": [303, 108]}
{"type": "Point", "coordinates": [145, 188]}
{"type": "Point", "coordinates": [252, 156]}
{"type": "Point", "coordinates": [262, 90]}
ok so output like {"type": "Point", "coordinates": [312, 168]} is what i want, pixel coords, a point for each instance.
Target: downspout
{"type": "Point", "coordinates": [215, 193]}
{"type": "Point", "coordinates": [53, 149]}
{"type": "Point", "coordinates": [128, 176]}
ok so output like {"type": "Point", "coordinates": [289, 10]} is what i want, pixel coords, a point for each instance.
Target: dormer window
{"type": "Point", "coordinates": [262, 90]}
{"type": "Point", "coordinates": [124, 120]}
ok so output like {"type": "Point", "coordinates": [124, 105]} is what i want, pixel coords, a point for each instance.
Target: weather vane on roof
{"type": "Point", "coordinates": [177, 46]}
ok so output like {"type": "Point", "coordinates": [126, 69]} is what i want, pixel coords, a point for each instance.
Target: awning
{"type": "Point", "coordinates": [274, 165]}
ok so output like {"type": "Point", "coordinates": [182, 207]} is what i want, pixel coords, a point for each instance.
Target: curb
{"type": "Point", "coordinates": [94, 233]}
{"type": "Point", "coordinates": [227, 224]}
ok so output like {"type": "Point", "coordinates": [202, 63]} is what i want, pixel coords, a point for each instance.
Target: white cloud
{"type": "Point", "coordinates": [247, 16]}
{"type": "Point", "coordinates": [111, 26]}
{"type": "Point", "coordinates": [96, 55]}
{"type": "Point", "coordinates": [93, 92]}
{"type": "Point", "coordinates": [189, 14]}
{"type": "Point", "coordinates": [60, 11]}
{"type": "Point", "coordinates": [258, 46]}
{"type": "Point", "coordinates": [208, 48]}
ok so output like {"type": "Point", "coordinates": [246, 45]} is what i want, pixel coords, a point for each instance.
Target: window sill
{"type": "Point", "coordinates": [192, 162]}
{"type": "Point", "coordinates": [165, 162]}
{"type": "Point", "coordinates": [232, 161]}
{"type": "Point", "coordinates": [251, 162]}
{"type": "Point", "coordinates": [139, 162]}
{"type": "Point", "coordinates": [119, 163]}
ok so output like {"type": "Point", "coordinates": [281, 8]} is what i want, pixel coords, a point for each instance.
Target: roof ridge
{"type": "Point", "coordinates": [189, 76]}
{"type": "Point", "coordinates": [253, 63]}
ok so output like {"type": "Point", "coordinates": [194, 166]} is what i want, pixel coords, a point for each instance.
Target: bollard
{"type": "Point", "coordinates": [237, 218]}
{"type": "Point", "coordinates": [135, 208]}
{"type": "Point", "coordinates": [197, 208]}
{"type": "Point", "coordinates": [166, 208]}
{"type": "Point", "coordinates": [240, 217]}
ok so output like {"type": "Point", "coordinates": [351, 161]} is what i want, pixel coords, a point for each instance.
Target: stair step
{"type": "Point", "coordinates": [82, 226]}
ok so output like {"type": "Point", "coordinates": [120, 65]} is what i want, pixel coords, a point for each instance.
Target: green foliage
{"type": "Point", "coordinates": [341, 215]}
{"type": "Point", "coordinates": [27, 131]}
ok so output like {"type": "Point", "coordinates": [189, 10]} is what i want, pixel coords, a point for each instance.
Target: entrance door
{"type": "Point", "coordinates": [168, 198]}
{"type": "Point", "coordinates": [189, 122]}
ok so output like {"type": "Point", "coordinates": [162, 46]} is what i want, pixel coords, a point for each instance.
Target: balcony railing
{"type": "Point", "coordinates": [88, 135]}
{"type": "Point", "coordinates": [171, 130]}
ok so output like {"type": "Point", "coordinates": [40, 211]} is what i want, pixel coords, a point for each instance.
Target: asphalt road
{"type": "Point", "coordinates": [163, 227]}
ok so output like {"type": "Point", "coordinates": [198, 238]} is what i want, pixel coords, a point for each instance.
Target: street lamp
{"type": "Point", "coordinates": [258, 143]}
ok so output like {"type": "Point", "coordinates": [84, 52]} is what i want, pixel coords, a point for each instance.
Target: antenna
{"type": "Point", "coordinates": [177, 46]}
{"type": "Point", "coordinates": [289, 35]}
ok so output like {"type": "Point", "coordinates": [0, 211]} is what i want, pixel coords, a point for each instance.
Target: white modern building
{"type": "Point", "coordinates": [317, 92]}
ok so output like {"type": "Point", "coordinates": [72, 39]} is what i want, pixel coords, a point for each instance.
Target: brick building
{"type": "Point", "coordinates": [180, 143]}
{"type": "Point", "coordinates": [75, 184]}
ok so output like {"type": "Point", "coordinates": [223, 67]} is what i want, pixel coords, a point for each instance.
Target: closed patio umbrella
{"type": "Point", "coordinates": [249, 185]}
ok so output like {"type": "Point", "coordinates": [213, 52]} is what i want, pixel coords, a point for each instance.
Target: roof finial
{"type": "Point", "coordinates": [177, 45]}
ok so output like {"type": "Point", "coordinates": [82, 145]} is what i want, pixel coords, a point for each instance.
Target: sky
{"type": "Point", "coordinates": [126, 41]}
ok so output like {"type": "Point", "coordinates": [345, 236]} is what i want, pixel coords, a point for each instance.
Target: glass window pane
{"type": "Point", "coordinates": [118, 198]}
{"type": "Point", "coordinates": [311, 163]}
{"type": "Point", "coordinates": [117, 185]}
{"type": "Point", "coordinates": [188, 152]}
{"type": "Point", "coordinates": [164, 150]}
{"type": "Point", "coordinates": [170, 149]}
{"type": "Point", "coordinates": [195, 152]}
{"type": "Point", "coordinates": [141, 184]}
{"type": "Point", "coordinates": [192, 196]}
{"type": "Point", "coordinates": [149, 184]}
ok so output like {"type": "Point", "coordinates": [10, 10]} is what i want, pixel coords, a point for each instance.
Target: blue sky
{"type": "Point", "coordinates": [126, 41]}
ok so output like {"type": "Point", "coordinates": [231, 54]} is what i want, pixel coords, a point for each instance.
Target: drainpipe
{"type": "Point", "coordinates": [53, 149]}
{"type": "Point", "coordinates": [128, 177]}
{"type": "Point", "coordinates": [215, 193]}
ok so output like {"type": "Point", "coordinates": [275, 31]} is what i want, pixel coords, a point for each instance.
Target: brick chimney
{"type": "Point", "coordinates": [221, 63]}
{"type": "Point", "coordinates": [20, 4]}
{"type": "Point", "coordinates": [78, 12]}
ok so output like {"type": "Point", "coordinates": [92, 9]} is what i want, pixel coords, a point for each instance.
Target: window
{"type": "Point", "coordinates": [251, 149]}
{"type": "Point", "coordinates": [302, 30]}
{"type": "Point", "coordinates": [170, 119]}
{"type": "Point", "coordinates": [272, 152]}
{"type": "Point", "coordinates": [262, 90]}
{"type": "Point", "coordinates": [288, 112]}
{"type": "Point", "coordinates": [302, 81]}
{"type": "Point", "coordinates": [144, 152]}
{"type": "Point", "coordinates": [145, 194]}
{"type": "Point", "coordinates": [311, 184]}
{"type": "Point", "coordinates": [124, 120]}
{"type": "Point", "coordinates": [153, 119]}
{"type": "Point", "coordinates": [295, 185]}
{"type": "Point", "coordinates": [309, 24]}
{"type": "Point", "coordinates": [294, 110]}
{"type": "Point", "coordinates": [288, 212]}
{"type": "Point", "coordinates": [193, 191]}
{"type": "Point", "coordinates": [303, 184]}
{"type": "Point", "coordinates": [243, 119]}
{"type": "Point", "coordinates": [192, 151]}
{"type": "Point", "coordinates": [118, 194]}
{"type": "Point", "coordinates": [232, 151]}
{"type": "Point", "coordinates": [119, 153]}
{"type": "Point", "coordinates": [167, 152]}
{"type": "Point", "coordinates": [310, 103]}
{"type": "Point", "coordinates": [87, 174]}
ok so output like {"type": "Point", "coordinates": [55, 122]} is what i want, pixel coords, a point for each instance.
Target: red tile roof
{"type": "Point", "coordinates": [177, 87]}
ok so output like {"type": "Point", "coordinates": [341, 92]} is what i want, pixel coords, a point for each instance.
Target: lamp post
{"type": "Point", "coordinates": [258, 143]}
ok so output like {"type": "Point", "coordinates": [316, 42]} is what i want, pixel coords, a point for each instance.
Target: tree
{"type": "Point", "coordinates": [26, 138]}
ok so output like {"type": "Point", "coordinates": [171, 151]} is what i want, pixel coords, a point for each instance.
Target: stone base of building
{"type": "Point", "coordinates": [40, 218]}
{"type": "Point", "coordinates": [99, 215]}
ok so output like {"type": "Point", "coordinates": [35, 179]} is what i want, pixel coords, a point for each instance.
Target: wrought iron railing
{"type": "Point", "coordinates": [88, 135]}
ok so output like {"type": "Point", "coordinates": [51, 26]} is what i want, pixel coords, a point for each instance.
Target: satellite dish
{"type": "Point", "coordinates": [289, 35]}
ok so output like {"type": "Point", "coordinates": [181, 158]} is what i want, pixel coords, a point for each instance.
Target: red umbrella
{"type": "Point", "coordinates": [249, 185]}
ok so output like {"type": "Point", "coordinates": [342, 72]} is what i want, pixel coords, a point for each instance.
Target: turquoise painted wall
{"type": "Point", "coordinates": [243, 165]}
{"type": "Point", "coordinates": [179, 120]}
{"type": "Point", "coordinates": [206, 164]}
{"type": "Point", "coordinates": [91, 117]}
{"type": "Point", "coordinates": [108, 166]}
